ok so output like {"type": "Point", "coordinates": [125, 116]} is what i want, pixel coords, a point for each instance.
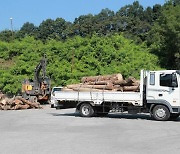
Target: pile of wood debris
{"type": "Point", "coordinates": [16, 103]}
{"type": "Point", "coordinates": [113, 82]}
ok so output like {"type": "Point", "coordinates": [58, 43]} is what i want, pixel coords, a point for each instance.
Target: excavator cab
{"type": "Point", "coordinates": [39, 88]}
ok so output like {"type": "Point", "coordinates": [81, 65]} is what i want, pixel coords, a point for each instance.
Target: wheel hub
{"type": "Point", "coordinates": [85, 110]}
{"type": "Point", "coordinates": [161, 113]}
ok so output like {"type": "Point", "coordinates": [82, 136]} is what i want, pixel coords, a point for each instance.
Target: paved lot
{"type": "Point", "coordinates": [64, 132]}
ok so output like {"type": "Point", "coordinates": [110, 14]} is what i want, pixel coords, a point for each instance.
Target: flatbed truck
{"type": "Point", "coordinates": [159, 95]}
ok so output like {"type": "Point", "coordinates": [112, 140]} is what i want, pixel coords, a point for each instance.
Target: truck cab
{"type": "Point", "coordinates": [53, 91]}
{"type": "Point", "coordinates": [163, 93]}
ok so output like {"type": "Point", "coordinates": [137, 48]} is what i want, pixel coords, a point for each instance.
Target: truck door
{"type": "Point", "coordinates": [169, 88]}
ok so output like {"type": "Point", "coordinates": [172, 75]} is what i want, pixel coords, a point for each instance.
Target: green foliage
{"type": "Point", "coordinates": [28, 29]}
{"type": "Point", "coordinates": [7, 35]}
{"type": "Point", "coordinates": [70, 60]}
{"type": "Point", "coordinates": [164, 38]}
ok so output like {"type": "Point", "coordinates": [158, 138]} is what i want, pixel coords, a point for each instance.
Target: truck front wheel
{"type": "Point", "coordinates": [86, 110]}
{"type": "Point", "coordinates": [161, 113]}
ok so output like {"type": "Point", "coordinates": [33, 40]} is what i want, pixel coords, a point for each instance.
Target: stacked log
{"type": "Point", "coordinates": [16, 103]}
{"type": "Point", "coordinates": [113, 82]}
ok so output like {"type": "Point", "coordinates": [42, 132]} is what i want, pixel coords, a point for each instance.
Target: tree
{"type": "Point", "coordinates": [28, 29]}
{"type": "Point", "coordinates": [84, 25]}
{"type": "Point", "coordinates": [45, 29]}
{"type": "Point", "coordinates": [7, 35]}
{"type": "Point", "coordinates": [156, 11]}
{"type": "Point", "coordinates": [165, 37]}
{"type": "Point", "coordinates": [53, 29]}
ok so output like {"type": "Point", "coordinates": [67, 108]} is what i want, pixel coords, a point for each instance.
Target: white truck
{"type": "Point", "coordinates": [159, 95]}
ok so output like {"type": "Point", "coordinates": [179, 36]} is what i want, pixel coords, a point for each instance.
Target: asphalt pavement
{"type": "Point", "coordinates": [51, 131]}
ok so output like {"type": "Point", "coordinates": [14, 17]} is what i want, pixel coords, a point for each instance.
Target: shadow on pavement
{"type": "Point", "coordinates": [66, 114]}
{"type": "Point", "coordinates": [114, 116]}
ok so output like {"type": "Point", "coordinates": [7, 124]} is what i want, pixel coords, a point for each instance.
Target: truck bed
{"type": "Point", "coordinates": [99, 97]}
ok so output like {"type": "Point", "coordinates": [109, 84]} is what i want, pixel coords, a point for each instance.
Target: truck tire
{"type": "Point", "coordinates": [86, 110]}
{"type": "Point", "coordinates": [161, 113]}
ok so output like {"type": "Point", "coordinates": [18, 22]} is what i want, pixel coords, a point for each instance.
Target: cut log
{"type": "Point", "coordinates": [21, 107]}
{"type": "Point", "coordinates": [105, 87]}
{"type": "Point", "coordinates": [88, 90]}
{"type": "Point", "coordinates": [120, 82]}
{"type": "Point", "coordinates": [102, 78]}
{"type": "Point", "coordinates": [131, 88]}
{"type": "Point", "coordinates": [6, 107]}
{"type": "Point", "coordinates": [137, 83]}
{"type": "Point", "coordinates": [66, 89]}
{"type": "Point", "coordinates": [2, 96]}
{"type": "Point", "coordinates": [18, 102]}
{"type": "Point", "coordinates": [105, 82]}
{"type": "Point", "coordinates": [4, 101]}
{"type": "Point", "coordinates": [33, 105]}
{"type": "Point", "coordinates": [77, 86]}
{"type": "Point", "coordinates": [73, 86]}
{"type": "Point", "coordinates": [130, 81]}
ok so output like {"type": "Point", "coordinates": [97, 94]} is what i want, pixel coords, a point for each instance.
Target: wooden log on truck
{"type": "Point", "coordinates": [137, 83]}
{"type": "Point", "coordinates": [130, 81]}
{"type": "Point", "coordinates": [71, 86]}
{"type": "Point", "coordinates": [89, 90]}
{"type": "Point", "coordinates": [112, 77]}
{"type": "Point", "coordinates": [66, 89]}
{"type": "Point", "coordinates": [118, 88]}
{"type": "Point", "coordinates": [120, 82]}
{"type": "Point", "coordinates": [105, 82]}
{"type": "Point", "coordinates": [131, 88]}
{"type": "Point", "coordinates": [76, 86]}
{"type": "Point", "coordinates": [105, 87]}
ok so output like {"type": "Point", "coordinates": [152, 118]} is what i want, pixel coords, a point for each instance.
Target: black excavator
{"type": "Point", "coordinates": [37, 90]}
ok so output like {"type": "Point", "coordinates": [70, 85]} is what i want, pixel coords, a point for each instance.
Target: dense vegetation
{"type": "Point", "coordinates": [131, 39]}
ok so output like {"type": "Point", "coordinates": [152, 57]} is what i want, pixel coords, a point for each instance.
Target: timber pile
{"type": "Point", "coordinates": [113, 82]}
{"type": "Point", "coordinates": [16, 103]}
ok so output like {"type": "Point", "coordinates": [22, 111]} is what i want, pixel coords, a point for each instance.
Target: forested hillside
{"type": "Point", "coordinates": [125, 41]}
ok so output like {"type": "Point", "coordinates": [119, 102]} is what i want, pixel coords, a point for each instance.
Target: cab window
{"type": "Point", "coordinates": [152, 79]}
{"type": "Point", "coordinates": [166, 80]}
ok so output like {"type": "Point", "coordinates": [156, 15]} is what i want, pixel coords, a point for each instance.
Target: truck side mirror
{"type": "Point", "coordinates": [178, 72]}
